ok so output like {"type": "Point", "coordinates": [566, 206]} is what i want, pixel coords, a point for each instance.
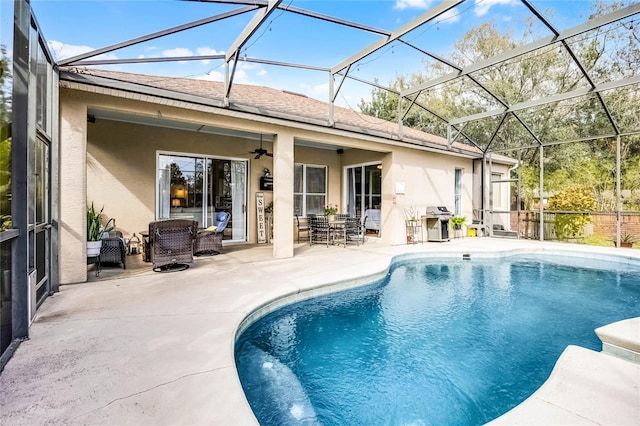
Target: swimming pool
{"type": "Point", "coordinates": [435, 342]}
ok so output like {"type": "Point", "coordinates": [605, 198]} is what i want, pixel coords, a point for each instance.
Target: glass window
{"type": "Point", "coordinates": [310, 189]}
{"type": "Point", "coordinates": [42, 89]}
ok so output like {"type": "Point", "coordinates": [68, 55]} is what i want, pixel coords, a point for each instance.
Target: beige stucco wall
{"type": "Point", "coordinates": [72, 248]}
{"type": "Point", "coordinates": [121, 168]}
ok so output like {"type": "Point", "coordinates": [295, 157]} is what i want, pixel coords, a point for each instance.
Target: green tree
{"type": "Point", "coordinates": [608, 53]}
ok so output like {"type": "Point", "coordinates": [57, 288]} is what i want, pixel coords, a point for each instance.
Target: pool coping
{"type": "Point", "coordinates": [621, 340]}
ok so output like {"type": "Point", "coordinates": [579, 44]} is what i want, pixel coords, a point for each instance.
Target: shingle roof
{"type": "Point", "coordinates": [273, 102]}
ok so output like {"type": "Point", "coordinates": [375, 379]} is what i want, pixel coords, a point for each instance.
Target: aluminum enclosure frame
{"type": "Point", "coordinates": [338, 73]}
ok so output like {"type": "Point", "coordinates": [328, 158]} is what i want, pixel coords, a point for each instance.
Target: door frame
{"type": "Point", "coordinates": [205, 179]}
{"type": "Point", "coordinates": [345, 181]}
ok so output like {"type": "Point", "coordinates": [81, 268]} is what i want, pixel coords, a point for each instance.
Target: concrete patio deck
{"type": "Point", "coordinates": [138, 347]}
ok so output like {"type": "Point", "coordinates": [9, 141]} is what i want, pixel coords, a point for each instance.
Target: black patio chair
{"type": "Point", "coordinates": [113, 249]}
{"type": "Point", "coordinates": [354, 231]}
{"type": "Point", "coordinates": [320, 231]}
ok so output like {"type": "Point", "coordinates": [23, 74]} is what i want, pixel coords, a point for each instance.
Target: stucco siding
{"type": "Point", "coordinates": [121, 165]}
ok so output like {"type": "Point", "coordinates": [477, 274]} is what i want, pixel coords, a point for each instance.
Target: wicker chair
{"type": "Point", "coordinates": [113, 249]}
{"type": "Point", "coordinates": [210, 242]}
{"type": "Point", "coordinates": [171, 244]}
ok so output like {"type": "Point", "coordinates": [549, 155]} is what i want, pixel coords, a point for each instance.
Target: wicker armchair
{"type": "Point", "coordinates": [210, 242]}
{"type": "Point", "coordinates": [113, 249]}
{"type": "Point", "coordinates": [171, 243]}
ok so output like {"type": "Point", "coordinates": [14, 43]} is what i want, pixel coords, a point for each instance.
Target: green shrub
{"type": "Point", "coordinates": [572, 198]}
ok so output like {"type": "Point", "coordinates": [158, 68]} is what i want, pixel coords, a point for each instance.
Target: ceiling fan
{"type": "Point", "coordinates": [260, 151]}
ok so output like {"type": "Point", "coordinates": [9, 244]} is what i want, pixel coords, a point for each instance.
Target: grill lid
{"type": "Point", "coordinates": [440, 212]}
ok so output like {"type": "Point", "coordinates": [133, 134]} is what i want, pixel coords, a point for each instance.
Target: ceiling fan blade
{"type": "Point", "coordinates": [257, 156]}
{"type": "Point", "coordinates": [268, 154]}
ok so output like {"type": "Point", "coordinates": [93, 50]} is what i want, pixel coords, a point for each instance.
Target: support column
{"type": "Point", "coordinates": [392, 230]}
{"type": "Point", "coordinates": [283, 196]}
{"type": "Point", "coordinates": [73, 191]}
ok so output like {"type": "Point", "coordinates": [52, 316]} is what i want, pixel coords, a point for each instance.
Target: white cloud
{"type": "Point", "coordinates": [207, 51]}
{"type": "Point", "coordinates": [62, 50]}
{"type": "Point", "coordinates": [262, 73]}
{"type": "Point", "coordinates": [178, 51]}
{"type": "Point", "coordinates": [202, 51]}
{"type": "Point", "coordinates": [241, 76]}
{"type": "Point", "coordinates": [212, 76]}
{"type": "Point", "coordinates": [319, 90]}
{"type": "Point", "coordinates": [450, 16]}
{"type": "Point", "coordinates": [412, 4]}
{"type": "Point", "coordinates": [483, 6]}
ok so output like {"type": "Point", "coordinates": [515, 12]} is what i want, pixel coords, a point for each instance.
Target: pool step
{"type": "Point", "coordinates": [585, 387]}
{"type": "Point", "coordinates": [621, 339]}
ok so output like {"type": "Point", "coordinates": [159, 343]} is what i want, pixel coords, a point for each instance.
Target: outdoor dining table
{"type": "Point", "coordinates": [338, 228]}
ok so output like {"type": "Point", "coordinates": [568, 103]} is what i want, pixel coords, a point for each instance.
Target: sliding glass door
{"type": "Point", "coordinates": [364, 188]}
{"type": "Point", "coordinates": [196, 187]}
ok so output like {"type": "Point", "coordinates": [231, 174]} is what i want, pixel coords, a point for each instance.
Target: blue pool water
{"type": "Point", "coordinates": [434, 343]}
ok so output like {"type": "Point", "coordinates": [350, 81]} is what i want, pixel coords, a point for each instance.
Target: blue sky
{"type": "Point", "coordinates": [74, 27]}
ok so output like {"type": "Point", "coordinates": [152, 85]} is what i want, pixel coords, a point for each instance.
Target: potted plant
{"type": "Point", "coordinates": [626, 240]}
{"type": "Point", "coordinates": [330, 211]}
{"type": "Point", "coordinates": [457, 222]}
{"type": "Point", "coordinates": [95, 229]}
